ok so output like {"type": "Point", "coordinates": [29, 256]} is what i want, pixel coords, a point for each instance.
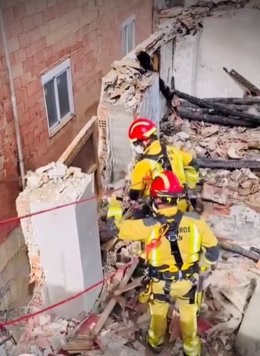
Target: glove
{"type": "Point", "coordinates": [112, 225]}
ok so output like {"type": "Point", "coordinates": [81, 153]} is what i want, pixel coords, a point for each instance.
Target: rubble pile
{"type": "Point", "coordinates": [227, 188]}
{"type": "Point", "coordinates": [205, 8]}
{"type": "Point", "coordinates": [129, 78]}
{"type": "Point", "coordinates": [124, 326]}
{"type": "Point", "coordinates": [54, 182]}
{"type": "Point", "coordinates": [236, 144]}
{"type": "Point", "coordinates": [43, 335]}
{"type": "Point", "coordinates": [126, 83]}
{"type": "Point", "coordinates": [212, 141]}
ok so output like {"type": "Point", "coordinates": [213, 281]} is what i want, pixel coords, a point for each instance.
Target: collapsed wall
{"type": "Point", "coordinates": [131, 89]}
{"type": "Point", "coordinates": [63, 244]}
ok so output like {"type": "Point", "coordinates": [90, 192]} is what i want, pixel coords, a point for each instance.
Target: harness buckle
{"type": "Point", "coordinates": [172, 237]}
{"type": "Point", "coordinates": [180, 275]}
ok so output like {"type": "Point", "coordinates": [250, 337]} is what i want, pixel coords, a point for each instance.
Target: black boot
{"type": "Point", "coordinates": [155, 349]}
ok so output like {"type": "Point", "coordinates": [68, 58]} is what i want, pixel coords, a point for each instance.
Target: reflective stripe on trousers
{"type": "Point", "coordinates": [188, 316]}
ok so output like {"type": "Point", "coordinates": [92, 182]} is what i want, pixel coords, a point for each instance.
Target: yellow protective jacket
{"type": "Point", "coordinates": [147, 169]}
{"type": "Point", "coordinates": [194, 238]}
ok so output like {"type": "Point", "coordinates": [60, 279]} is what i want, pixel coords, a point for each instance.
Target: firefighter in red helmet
{"type": "Point", "coordinates": [176, 244]}
{"type": "Point", "coordinates": [154, 157]}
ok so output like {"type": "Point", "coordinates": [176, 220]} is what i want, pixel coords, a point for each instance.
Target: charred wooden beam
{"type": "Point", "coordinates": [187, 104]}
{"type": "Point", "coordinates": [228, 164]}
{"type": "Point", "coordinates": [236, 101]}
{"type": "Point", "coordinates": [243, 82]}
{"type": "Point", "coordinates": [169, 94]}
{"type": "Point", "coordinates": [252, 255]}
{"type": "Point", "coordinates": [192, 114]}
{"type": "Point", "coordinates": [218, 107]}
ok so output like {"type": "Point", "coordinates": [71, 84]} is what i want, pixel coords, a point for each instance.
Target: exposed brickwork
{"type": "Point", "coordinates": [9, 187]}
{"type": "Point", "coordinates": [41, 34]}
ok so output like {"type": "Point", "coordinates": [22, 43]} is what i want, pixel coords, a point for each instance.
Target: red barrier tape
{"type": "Point", "coordinates": [64, 301]}
{"type": "Point", "coordinates": [18, 218]}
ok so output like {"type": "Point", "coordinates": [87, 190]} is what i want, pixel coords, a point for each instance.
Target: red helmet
{"type": "Point", "coordinates": [141, 129]}
{"type": "Point", "coordinates": [166, 185]}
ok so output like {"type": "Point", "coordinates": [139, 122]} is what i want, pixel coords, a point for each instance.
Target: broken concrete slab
{"type": "Point", "coordinates": [248, 337]}
{"type": "Point", "coordinates": [72, 232]}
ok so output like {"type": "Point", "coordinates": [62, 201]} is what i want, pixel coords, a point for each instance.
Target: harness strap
{"type": "Point", "coordinates": [174, 276]}
{"type": "Point", "coordinates": [172, 236]}
{"type": "Point", "coordinates": [167, 289]}
{"type": "Point", "coordinates": [166, 161]}
{"type": "Point", "coordinates": [161, 157]}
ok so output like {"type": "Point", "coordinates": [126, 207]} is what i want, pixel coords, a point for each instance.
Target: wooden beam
{"type": "Point", "coordinates": [228, 164]}
{"type": "Point", "coordinates": [224, 110]}
{"type": "Point", "coordinates": [110, 306]}
{"type": "Point", "coordinates": [243, 82]}
{"type": "Point", "coordinates": [236, 101]}
{"type": "Point", "coordinates": [218, 108]}
{"type": "Point", "coordinates": [79, 141]}
{"type": "Point", "coordinates": [194, 114]}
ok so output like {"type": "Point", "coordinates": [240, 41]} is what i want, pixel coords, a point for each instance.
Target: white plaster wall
{"type": "Point", "coordinates": [121, 154]}
{"type": "Point", "coordinates": [166, 62]}
{"type": "Point", "coordinates": [232, 41]}
{"type": "Point", "coordinates": [68, 241]}
{"type": "Point", "coordinates": [152, 105]}
{"type": "Point", "coordinates": [185, 63]}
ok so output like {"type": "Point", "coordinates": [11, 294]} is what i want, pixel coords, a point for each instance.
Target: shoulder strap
{"type": "Point", "coordinates": [166, 161]}
{"type": "Point", "coordinates": [152, 157]}
{"type": "Point", "coordinates": [172, 236]}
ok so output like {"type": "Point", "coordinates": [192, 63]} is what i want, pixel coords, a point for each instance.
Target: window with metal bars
{"type": "Point", "coordinates": [128, 35]}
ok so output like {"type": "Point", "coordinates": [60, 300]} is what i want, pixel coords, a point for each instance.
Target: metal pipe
{"type": "Point", "coordinates": [13, 101]}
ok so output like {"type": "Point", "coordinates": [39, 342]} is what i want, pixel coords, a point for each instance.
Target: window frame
{"type": "Point", "coordinates": [125, 26]}
{"type": "Point", "coordinates": [52, 74]}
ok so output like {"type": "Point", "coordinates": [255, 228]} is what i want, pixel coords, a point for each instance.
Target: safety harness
{"type": "Point", "coordinates": [172, 236]}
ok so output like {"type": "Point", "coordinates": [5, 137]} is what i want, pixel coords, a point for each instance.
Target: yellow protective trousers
{"type": "Point", "coordinates": [179, 290]}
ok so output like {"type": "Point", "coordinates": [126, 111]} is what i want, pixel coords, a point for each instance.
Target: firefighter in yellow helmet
{"type": "Point", "coordinates": [177, 244]}
{"type": "Point", "coordinates": [154, 157]}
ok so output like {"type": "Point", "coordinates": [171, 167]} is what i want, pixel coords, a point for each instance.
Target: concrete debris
{"type": "Point", "coordinates": [44, 336]}
{"type": "Point", "coordinates": [242, 224]}
{"type": "Point", "coordinates": [212, 141]}
{"type": "Point", "coordinates": [219, 142]}
{"type": "Point", "coordinates": [123, 322]}
{"type": "Point", "coordinates": [248, 337]}
{"type": "Point", "coordinates": [128, 79]}
{"type": "Point", "coordinates": [206, 8]}
{"type": "Point", "coordinates": [52, 184]}
{"type": "Point", "coordinates": [51, 174]}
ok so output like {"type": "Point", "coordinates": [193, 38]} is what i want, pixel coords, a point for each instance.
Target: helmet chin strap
{"type": "Point", "coordinates": [156, 208]}
{"type": "Point", "coordinates": [140, 146]}
{"type": "Point", "coordinates": [139, 149]}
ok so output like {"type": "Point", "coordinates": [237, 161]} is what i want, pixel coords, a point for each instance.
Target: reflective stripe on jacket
{"type": "Point", "coordinates": [194, 237]}
{"type": "Point", "coordinates": [147, 169]}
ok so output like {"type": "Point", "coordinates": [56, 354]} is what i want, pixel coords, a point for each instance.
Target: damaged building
{"type": "Point", "coordinates": [196, 77]}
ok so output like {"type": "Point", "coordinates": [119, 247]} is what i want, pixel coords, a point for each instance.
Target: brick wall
{"type": "Point", "coordinates": [9, 184]}
{"type": "Point", "coordinates": [40, 34]}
